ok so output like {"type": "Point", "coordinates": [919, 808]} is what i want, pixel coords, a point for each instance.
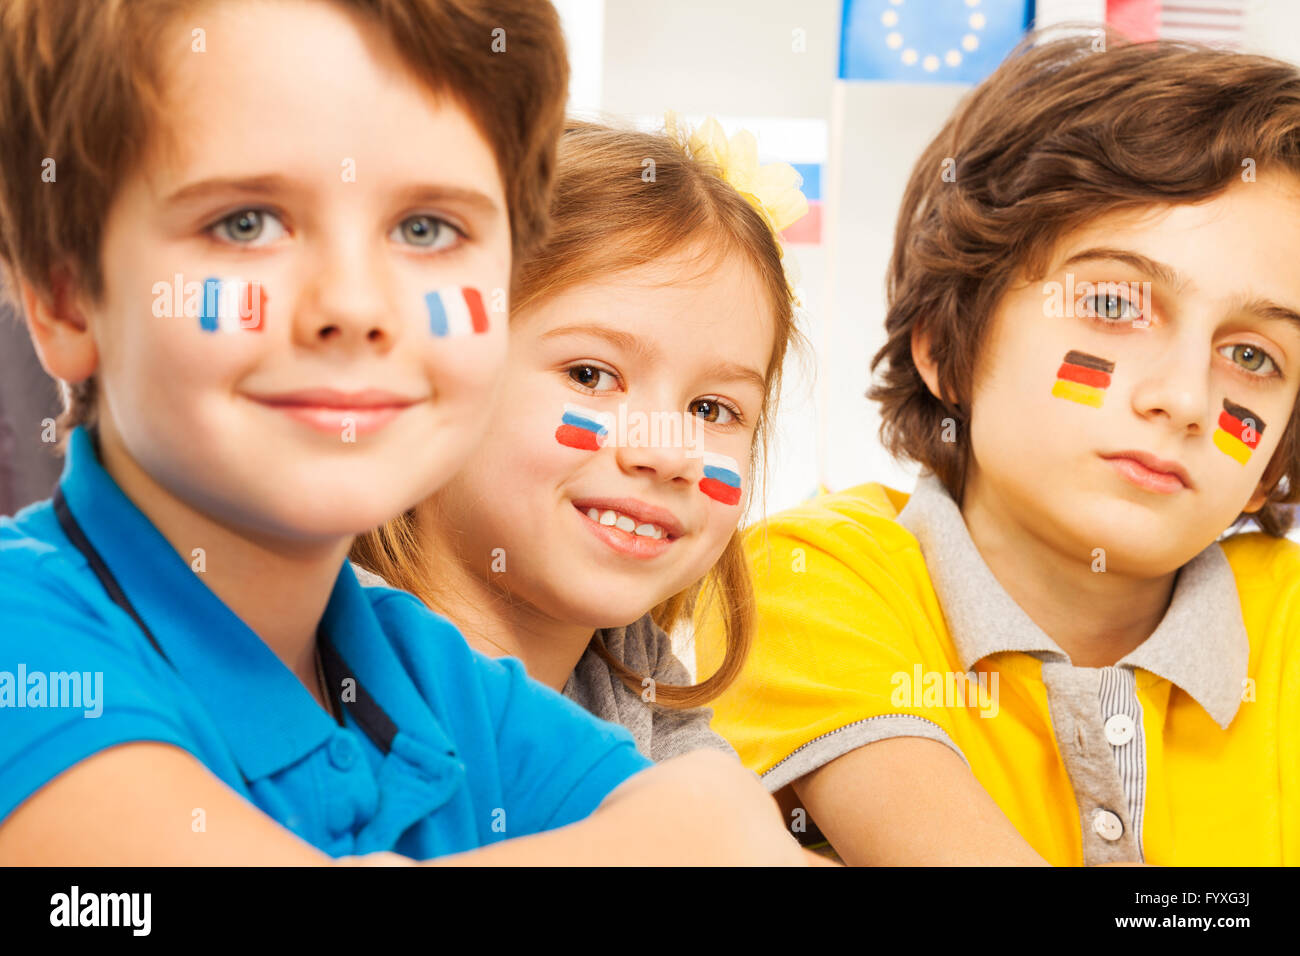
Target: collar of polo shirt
{"type": "Point", "coordinates": [1200, 645]}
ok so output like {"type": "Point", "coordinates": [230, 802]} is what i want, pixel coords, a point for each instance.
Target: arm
{"type": "Point", "coordinates": [910, 801]}
{"type": "Point", "coordinates": [702, 808]}
{"type": "Point", "coordinates": [131, 805]}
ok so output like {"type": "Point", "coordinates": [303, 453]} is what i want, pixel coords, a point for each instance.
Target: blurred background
{"type": "Point", "coordinates": [848, 91]}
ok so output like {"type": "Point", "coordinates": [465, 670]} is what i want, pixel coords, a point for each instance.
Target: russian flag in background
{"type": "Point", "coordinates": [929, 41]}
{"type": "Point", "coordinates": [232, 305]}
{"type": "Point", "coordinates": [809, 228]}
{"type": "Point", "coordinates": [456, 311]}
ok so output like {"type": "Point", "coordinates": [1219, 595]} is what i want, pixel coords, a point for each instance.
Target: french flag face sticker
{"type": "Point", "coordinates": [232, 305]}
{"type": "Point", "coordinates": [582, 428]}
{"type": "Point", "coordinates": [1238, 432]}
{"type": "Point", "coordinates": [721, 480]}
{"type": "Point", "coordinates": [456, 311]}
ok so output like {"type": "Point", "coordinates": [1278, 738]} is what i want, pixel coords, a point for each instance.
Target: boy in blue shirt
{"type": "Point", "coordinates": [266, 247]}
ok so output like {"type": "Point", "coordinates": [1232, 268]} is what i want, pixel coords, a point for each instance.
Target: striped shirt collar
{"type": "Point", "coordinates": [1200, 645]}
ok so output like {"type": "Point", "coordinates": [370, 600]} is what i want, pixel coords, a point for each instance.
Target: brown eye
{"type": "Point", "coordinates": [589, 376]}
{"type": "Point", "coordinates": [712, 411]}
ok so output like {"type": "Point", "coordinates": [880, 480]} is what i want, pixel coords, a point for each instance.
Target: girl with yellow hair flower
{"type": "Point", "coordinates": [648, 334]}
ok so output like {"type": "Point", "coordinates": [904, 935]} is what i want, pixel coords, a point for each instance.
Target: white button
{"type": "Point", "coordinates": [1107, 825]}
{"type": "Point", "coordinates": [1120, 729]}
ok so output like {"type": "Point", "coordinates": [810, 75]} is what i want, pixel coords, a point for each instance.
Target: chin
{"type": "Point", "coordinates": [614, 610]}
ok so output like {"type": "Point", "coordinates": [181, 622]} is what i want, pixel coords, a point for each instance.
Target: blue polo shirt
{"type": "Point", "coordinates": [440, 750]}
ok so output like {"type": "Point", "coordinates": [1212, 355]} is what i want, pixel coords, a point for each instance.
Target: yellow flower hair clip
{"type": "Point", "coordinates": [773, 190]}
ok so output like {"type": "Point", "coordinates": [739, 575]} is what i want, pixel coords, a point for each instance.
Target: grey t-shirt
{"type": "Point", "coordinates": [646, 649]}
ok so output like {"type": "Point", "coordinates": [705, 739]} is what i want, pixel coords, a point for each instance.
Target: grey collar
{"type": "Point", "coordinates": [1200, 645]}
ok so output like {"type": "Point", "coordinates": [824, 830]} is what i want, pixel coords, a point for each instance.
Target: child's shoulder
{"type": "Point", "coordinates": [856, 526]}
{"type": "Point", "coordinates": [1260, 559]}
{"type": "Point", "coordinates": [29, 537]}
{"type": "Point", "coordinates": [40, 569]}
{"type": "Point", "coordinates": [1267, 571]}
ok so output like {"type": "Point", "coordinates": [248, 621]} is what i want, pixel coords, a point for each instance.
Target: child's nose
{"type": "Point", "coordinates": [345, 304]}
{"type": "Point", "coordinates": [656, 456]}
{"type": "Point", "coordinates": [1176, 388]}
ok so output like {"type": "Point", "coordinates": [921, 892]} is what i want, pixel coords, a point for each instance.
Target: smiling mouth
{"type": "Point", "coordinates": [625, 523]}
{"type": "Point", "coordinates": [627, 535]}
{"type": "Point", "coordinates": [327, 410]}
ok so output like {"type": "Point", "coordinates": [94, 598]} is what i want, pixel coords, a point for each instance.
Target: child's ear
{"type": "Point", "coordinates": [59, 330]}
{"type": "Point", "coordinates": [924, 361]}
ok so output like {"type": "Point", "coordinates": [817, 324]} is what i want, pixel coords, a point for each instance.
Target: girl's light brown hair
{"type": "Point", "coordinates": [1060, 134]}
{"type": "Point", "coordinates": [610, 215]}
{"type": "Point", "coordinates": [81, 82]}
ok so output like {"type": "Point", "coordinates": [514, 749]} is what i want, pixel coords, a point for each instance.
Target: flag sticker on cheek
{"type": "Point", "coordinates": [721, 480]}
{"type": "Point", "coordinates": [232, 305]}
{"type": "Point", "coordinates": [581, 428]}
{"type": "Point", "coordinates": [1238, 432]}
{"type": "Point", "coordinates": [456, 311]}
{"type": "Point", "coordinates": [1083, 378]}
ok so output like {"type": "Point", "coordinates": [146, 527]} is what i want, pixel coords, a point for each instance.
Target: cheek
{"type": "Point", "coordinates": [582, 428]}
{"type": "Point", "coordinates": [188, 332]}
{"type": "Point", "coordinates": [721, 481]}
{"type": "Point", "coordinates": [1238, 432]}
{"type": "Point", "coordinates": [464, 341]}
{"type": "Point", "coordinates": [1083, 378]}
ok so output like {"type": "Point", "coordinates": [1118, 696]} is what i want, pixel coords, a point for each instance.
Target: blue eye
{"type": "Point", "coordinates": [249, 227]}
{"type": "Point", "coordinates": [427, 232]}
{"type": "Point", "coordinates": [1250, 357]}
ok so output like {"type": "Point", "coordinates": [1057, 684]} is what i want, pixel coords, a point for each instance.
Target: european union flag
{"type": "Point", "coordinates": [929, 41]}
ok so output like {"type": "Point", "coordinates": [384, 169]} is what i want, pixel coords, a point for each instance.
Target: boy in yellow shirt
{"type": "Point", "coordinates": [1050, 652]}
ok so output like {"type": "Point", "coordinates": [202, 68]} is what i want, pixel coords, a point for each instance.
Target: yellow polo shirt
{"type": "Point", "coordinates": [877, 617]}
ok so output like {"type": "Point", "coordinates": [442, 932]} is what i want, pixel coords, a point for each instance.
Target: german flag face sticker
{"type": "Point", "coordinates": [1083, 378]}
{"type": "Point", "coordinates": [1238, 432]}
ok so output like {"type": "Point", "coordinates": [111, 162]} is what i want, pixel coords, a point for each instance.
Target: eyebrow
{"type": "Point", "coordinates": [623, 340]}
{"type": "Point", "coordinates": [1168, 275]}
{"type": "Point", "coordinates": [720, 371]}
{"type": "Point", "coordinates": [1165, 274]}
{"type": "Point", "coordinates": [273, 183]}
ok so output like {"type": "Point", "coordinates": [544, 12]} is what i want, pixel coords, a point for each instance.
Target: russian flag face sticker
{"type": "Point", "coordinates": [721, 480]}
{"type": "Point", "coordinates": [1238, 432]}
{"type": "Point", "coordinates": [456, 311]}
{"type": "Point", "coordinates": [232, 305]}
{"type": "Point", "coordinates": [582, 428]}
{"type": "Point", "coordinates": [1083, 378]}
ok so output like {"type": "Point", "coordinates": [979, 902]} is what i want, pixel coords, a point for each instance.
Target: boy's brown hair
{"type": "Point", "coordinates": [80, 84]}
{"type": "Point", "coordinates": [606, 218]}
{"type": "Point", "coordinates": [1059, 135]}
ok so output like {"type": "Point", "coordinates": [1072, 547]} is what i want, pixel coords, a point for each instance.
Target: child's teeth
{"type": "Point", "coordinates": [612, 519]}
